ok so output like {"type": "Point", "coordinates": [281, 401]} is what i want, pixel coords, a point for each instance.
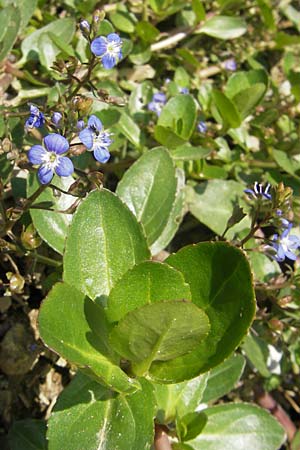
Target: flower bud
{"type": "Point", "coordinates": [30, 239]}
{"type": "Point", "coordinates": [16, 282]}
{"type": "Point", "coordinates": [56, 118]}
{"type": "Point", "coordinates": [85, 27]}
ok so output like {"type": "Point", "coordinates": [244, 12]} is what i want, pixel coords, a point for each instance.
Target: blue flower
{"type": "Point", "coordinates": [108, 48]}
{"type": "Point", "coordinates": [231, 65]}
{"type": "Point", "coordinates": [56, 118]}
{"type": "Point", "coordinates": [285, 245]}
{"type": "Point", "coordinates": [157, 103]}
{"type": "Point", "coordinates": [201, 126]}
{"type": "Point", "coordinates": [49, 158]}
{"type": "Point", "coordinates": [96, 139]}
{"type": "Point", "coordinates": [36, 118]}
{"type": "Point", "coordinates": [259, 191]}
{"type": "Point", "coordinates": [184, 90]}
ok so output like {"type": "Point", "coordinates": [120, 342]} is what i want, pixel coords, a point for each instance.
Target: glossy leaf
{"type": "Point", "coordinates": [130, 129]}
{"type": "Point", "coordinates": [212, 202]}
{"type": "Point", "coordinates": [175, 217]}
{"type": "Point", "coordinates": [87, 416]}
{"type": "Point", "coordinates": [10, 21]}
{"type": "Point", "coordinates": [179, 116]}
{"type": "Point", "coordinates": [104, 241]}
{"type": "Point", "coordinates": [223, 378]}
{"type": "Point", "coordinates": [148, 188]}
{"type": "Point", "coordinates": [177, 400]}
{"type": "Point", "coordinates": [221, 284]}
{"type": "Point", "coordinates": [52, 226]}
{"type": "Point", "coordinates": [187, 152]}
{"type": "Point", "coordinates": [238, 426]}
{"type": "Point", "coordinates": [242, 80]}
{"type": "Point", "coordinates": [63, 28]}
{"type": "Point", "coordinates": [79, 334]}
{"type": "Point", "coordinates": [286, 162]}
{"type": "Point", "coordinates": [224, 27]}
{"type": "Point", "coordinates": [264, 269]}
{"type": "Point", "coordinates": [149, 282]}
{"type": "Point", "coordinates": [159, 332]}
{"type": "Point", "coordinates": [257, 351]}
{"type": "Point", "coordinates": [227, 109]}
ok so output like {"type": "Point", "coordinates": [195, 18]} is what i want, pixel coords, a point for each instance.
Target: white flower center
{"type": "Point", "coordinates": [50, 160]}
{"type": "Point", "coordinates": [113, 48]}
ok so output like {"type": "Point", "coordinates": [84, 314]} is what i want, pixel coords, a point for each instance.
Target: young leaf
{"type": "Point", "coordinates": [148, 282]}
{"type": "Point", "coordinates": [224, 27]}
{"type": "Point", "coordinates": [238, 426]}
{"type": "Point", "coordinates": [104, 241]}
{"type": "Point", "coordinates": [52, 226]}
{"type": "Point", "coordinates": [223, 378]}
{"type": "Point", "coordinates": [221, 284]}
{"type": "Point", "coordinates": [79, 333]}
{"type": "Point", "coordinates": [148, 188]}
{"type": "Point", "coordinates": [87, 416]}
{"type": "Point", "coordinates": [159, 332]}
{"type": "Point", "coordinates": [226, 108]}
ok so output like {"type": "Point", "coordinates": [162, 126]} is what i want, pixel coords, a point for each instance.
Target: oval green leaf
{"type": "Point", "coordinates": [104, 241]}
{"type": "Point", "coordinates": [148, 282]}
{"type": "Point", "coordinates": [159, 332]}
{"type": "Point", "coordinates": [224, 27]}
{"type": "Point", "coordinates": [87, 416]}
{"type": "Point", "coordinates": [52, 226]}
{"type": "Point", "coordinates": [179, 115]}
{"type": "Point", "coordinates": [79, 333]}
{"type": "Point", "coordinates": [239, 426]}
{"type": "Point", "coordinates": [148, 188]}
{"type": "Point", "coordinates": [221, 284]}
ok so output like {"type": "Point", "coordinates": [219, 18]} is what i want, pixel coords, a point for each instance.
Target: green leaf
{"type": "Point", "coordinates": [187, 152]}
{"type": "Point", "coordinates": [221, 284]}
{"type": "Point", "coordinates": [130, 129]}
{"type": "Point", "coordinates": [123, 21]}
{"type": "Point", "coordinates": [175, 216]}
{"type": "Point", "coordinates": [263, 267]}
{"type": "Point", "coordinates": [257, 352]}
{"type": "Point", "coordinates": [87, 416]}
{"type": "Point", "coordinates": [248, 99]}
{"type": "Point", "coordinates": [177, 400]}
{"type": "Point", "coordinates": [52, 226]}
{"type": "Point", "coordinates": [61, 44]}
{"type": "Point", "coordinates": [241, 81]}
{"type": "Point", "coordinates": [286, 162]}
{"type": "Point", "coordinates": [149, 282]}
{"type": "Point", "coordinates": [10, 21]}
{"type": "Point", "coordinates": [223, 378]}
{"type": "Point", "coordinates": [29, 434]}
{"type": "Point", "coordinates": [159, 332]}
{"type": "Point", "coordinates": [87, 347]}
{"type": "Point", "coordinates": [147, 31]}
{"type": "Point", "coordinates": [104, 241]}
{"type": "Point", "coordinates": [212, 202]}
{"type": "Point", "coordinates": [238, 426]}
{"type": "Point", "coordinates": [224, 27]}
{"type": "Point", "coordinates": [226, 108]}
{"type": "Point", "coordinates": [189, 426]}
{"type": "Point", "coordinates": [63, 28]}
{"type": "Point", "coordinates": [179, 116]}
{"type": "Point", "coordinates": [198, 9]}
{"type": "Point", "coordinates": [148, 188]}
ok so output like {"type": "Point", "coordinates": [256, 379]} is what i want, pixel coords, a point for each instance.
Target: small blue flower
{"type": "Point", "coordinates": [85, 27]}
{"type": "Point", "coordinates": [230, 65]}
{"type": "Point", "coordinates": [259, 191]}
{"type": "Point", "coordinates": [49, 158]}
{"type": "Point", "coordinates": [201, 126]}
{"type": "Point", "coordinates": [108, 48]}
{"type": "Point", "coordinates": [80, 125]}
{"type": "Point", "coordinates": [285, 245]}
{"type": "Point", "coordinates": [96, 139]}
{"type": "Point", "coordinates": [157, 103]}
{"type": "Point", "coordinates": [56, 118]}
{"type": "Point", "coordinates": [184, 90]}
{"type": "Point", "coordinates": [36, 118]}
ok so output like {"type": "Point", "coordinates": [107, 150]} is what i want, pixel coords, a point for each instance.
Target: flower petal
{"type": "Point", "coordinates": [95, 123]}
{"type": "Point", "coordinates": [45, 174]}
{"type": "Point", "coordinates": [290, 255]}
{"type": "Point", "coordinates": [86, 137]}
{"type": "Point", "coordinates": [36, 154]}
{"type": "Point", "coordinates": [109, 61]}
{"type": "Point", "coordinates": [280, 253]}
{"type": "Point", "coordinates": [56, 143]}
{"type": "Point", "coordinates": [113, 37]}
{"type": "Point", "coordinates": [159, 97]}
{"type": "Point", "coordinates": [99, 46]}
{"type": "Point", "coordinates": [64, 167]}
{"type": "Point", "coordinates": [101, 154]}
